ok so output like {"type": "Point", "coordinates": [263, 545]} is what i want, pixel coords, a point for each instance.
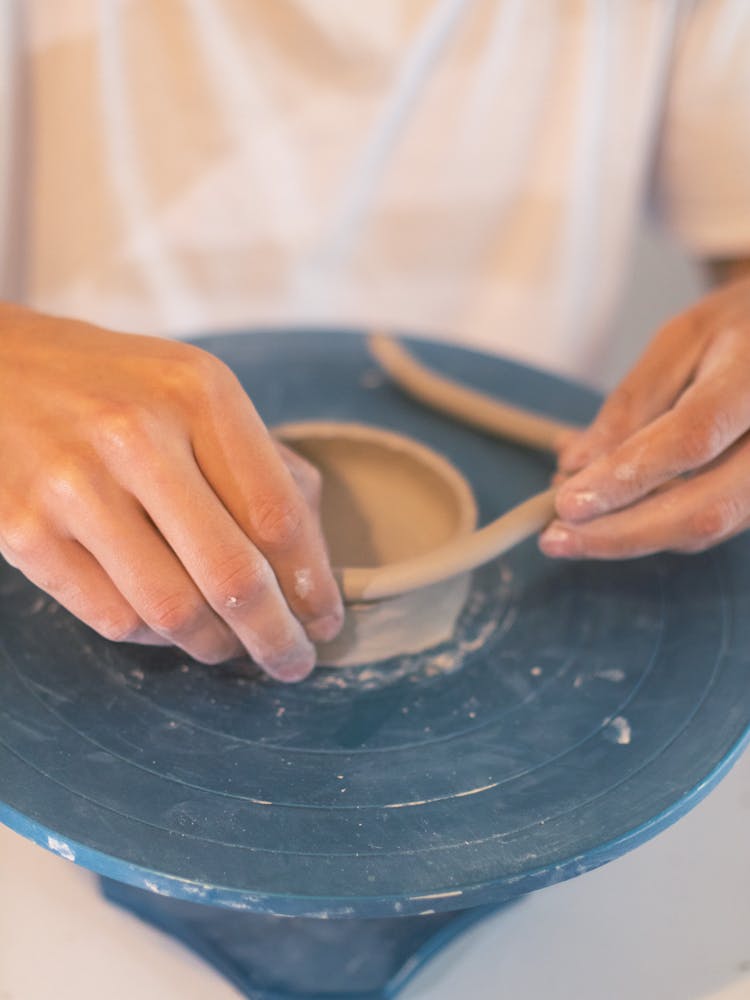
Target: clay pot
{"type": "Point", "coordinates": [387, 501]}
{"type": "Point", "coordinates": [400, 520]}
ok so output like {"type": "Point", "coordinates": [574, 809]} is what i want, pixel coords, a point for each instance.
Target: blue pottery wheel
{"type": "Point", "coordinates": [579, 709]}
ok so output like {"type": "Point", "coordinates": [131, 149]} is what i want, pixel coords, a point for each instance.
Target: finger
{"type": "Point", "coordinates": [72, 577]}
{"type": "Point", "coordinates": [689, 516]}
{"type": "Point", "coordinates": [111, 526]}
{"type": "Point", "coordinates": [567, 441]}
{"type": "Point", "coordinates": [712, 414]}
{"type": "Point", "coordinates": [239, 459]}
{"type": "Point", "coordinates": [89, 507]}
{"type": "Point", "coordinates": [229, 572]}
{"type": "Point", "coordinates": [649, 389]}
{"type": "Point", "coordinates": [304, 473]}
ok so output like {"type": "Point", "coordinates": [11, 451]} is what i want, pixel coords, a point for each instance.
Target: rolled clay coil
{"type": "Point", "coordinates": [459, 556]}
{"type": "Point", "coordinates": [478, 410]}
{"type": "Point", "coordinates": [468, 405]}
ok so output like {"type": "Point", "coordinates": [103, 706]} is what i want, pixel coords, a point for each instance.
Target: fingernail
{"type": "Point", "coordinates": [326, 628]}
{"type": "Point", "coordinates": [573, 460]}
{"type": "Point", "coordinates": [557, 541]}
{"type": "Point", "coordinates": [147, 637]}
{"type": "Point", "coordinates": [295, 668]}
{"type": "Point", "coordinates": [302, 582]}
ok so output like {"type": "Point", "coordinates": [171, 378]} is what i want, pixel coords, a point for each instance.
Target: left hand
{"type": "Point", "coordinates": [666, 463]}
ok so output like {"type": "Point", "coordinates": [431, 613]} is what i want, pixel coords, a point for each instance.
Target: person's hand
{"type": "Point", "coordinates": [140, 489]}
{"type": "Point", "coordinates": [666, 463]}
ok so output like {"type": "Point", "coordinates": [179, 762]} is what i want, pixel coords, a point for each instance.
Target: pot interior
{"type": "Point", "coordinates": [382, 501]}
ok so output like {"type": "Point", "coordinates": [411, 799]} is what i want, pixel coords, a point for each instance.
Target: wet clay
{"type": "Point", "coordinates": [386, 499]}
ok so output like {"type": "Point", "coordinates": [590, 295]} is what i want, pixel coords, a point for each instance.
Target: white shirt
{"type": "Point", "coordinates": [468, 169]}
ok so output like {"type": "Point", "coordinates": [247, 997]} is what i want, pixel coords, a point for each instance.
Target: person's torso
{"type": "Point", "coordinates": [464, 169]}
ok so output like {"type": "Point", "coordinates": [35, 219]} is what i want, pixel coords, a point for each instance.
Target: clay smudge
{"type": "Point", "coordinates": [488, 615]}
{"type": "Point", "coordinates": [158, 889]}
{"type": "Point", "coordinates": [618, 731]}
{"type": "Point", "coordinates": [303, 584]}
{"type": "Point", "coordinates": [591, 499]}
{"type": "Point", "coordinates": [61, 848]}
{"type": "Point", "coordinates": [625, 473]}
{"type": "Point", "coordinates": [613, 674]}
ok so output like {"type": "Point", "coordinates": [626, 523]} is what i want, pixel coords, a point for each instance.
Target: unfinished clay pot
{"type": "Point", "coordinates": [387, 501]}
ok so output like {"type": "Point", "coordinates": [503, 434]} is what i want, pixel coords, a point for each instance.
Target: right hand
{"type": "Point", "coordinates": [141, 490]}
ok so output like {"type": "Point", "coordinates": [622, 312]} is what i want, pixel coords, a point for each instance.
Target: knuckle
{"type": "Point", "coordinates": [175, 614]}
{"type": "Point", "coordinates": [703, 440]}
{"type": "Point", "coordinates": [70, 479]}
{"type": "Point", "coordinates": [123, 427]}
{"type": "Point", "coordinates": [616, 416]}
{"type": "Point", "coordinates": [198, 375]}
{"type": "Point", "coordinates": [118, 626]}
{"type": "Point", "coordinates": [621, 402]}
{"type": "Point", "coordinates": [25, 536]}
{"type": "Point", "coordinates": [240, 580]}
{"type": "Point", "coordinates": [277, 522]}
{"type": "Point", "coordinates": [713, 522]}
